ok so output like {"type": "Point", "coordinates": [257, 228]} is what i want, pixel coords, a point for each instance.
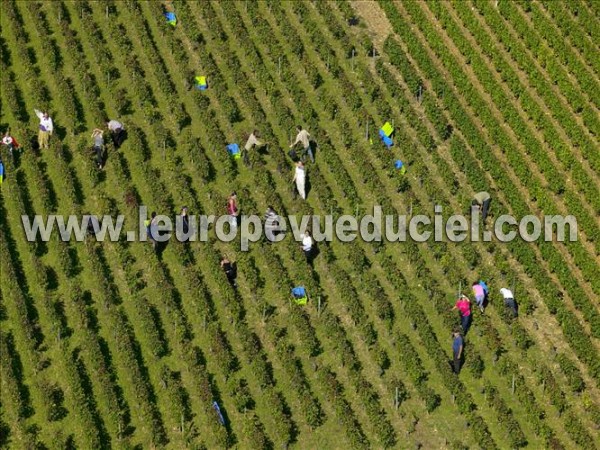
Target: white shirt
{"type": "Point", "coordinates": [303, 137]}
{"type": "Point", "coordinates": [506, 293]}
{"type": "Point", "coordinates": [306, 242]}
{"type": "Point", "coordinates": [252, 141]}
{"type": "Point", "coordinates": [481, 197]}
{"type": "Point", "coordinates": [300, 174]}
{"type": "Point", "coordinates": [7, 140]}
{"type": "Point", "coordinates": [114, 125]}
{"type": "Point", "coordinates": [45, 122]}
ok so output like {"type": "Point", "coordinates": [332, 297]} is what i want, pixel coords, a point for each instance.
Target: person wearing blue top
{"type": "Point", "coordinates": [457, 349]}
{"type": "Point", "coordinates": [486, 289]}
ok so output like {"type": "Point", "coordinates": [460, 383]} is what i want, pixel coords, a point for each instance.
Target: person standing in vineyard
{"type": "Point", "coordinates": [457, 351]}
{"type": "Point", "coordinates": [98, 146]}
{"type": "Point", "coordinates": [152, 230]}
{"type": "Point", "coordinates": [479, 293]}
{"type": "Point", "coordinates": [185, 222]}
{"type": "Point", "coordinates": [300, 179]}
{"type": "Point", "coordinates": [271, 225]}
{"type": "Point", "coordinates": [307, 246]}
{"type": "Point", "coordinates": [10, 142]}
{"type": "Point", "coordinates": [230, 271]}
{"type": "Point", "coordinates": [463, 304]}
{"type": "Point", "coordinates": [481, 202]}
{"type": "Point", "coordinates": [93, 225]}
{"type": "Point", "coordinates": [118, 132]}
{"type": "Point", "coordinates": [46, 128]}
{"type": "Point", "coordinates": [250, 144]}
{"type": "Point", "coordinates": [303, 137]}
{"type": "Point", "coordinates": [232, 210]}
{"type": "Point", "coordinates": [509, 301]}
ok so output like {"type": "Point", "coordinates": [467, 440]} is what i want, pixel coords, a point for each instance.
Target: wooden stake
{"type": "Point", "coordinates": [513, 384]}
{"type": "Point", "coordinates": [396, 403]}
{"type": "Point", "coordinates": [353, 60]}
{"type": "Point", "coordinates": [107, 11]}
{"type": "Point", "coordinates": [319, 305]}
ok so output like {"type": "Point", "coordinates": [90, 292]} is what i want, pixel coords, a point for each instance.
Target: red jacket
{"type": "Point", "coordinates": [13, 141]}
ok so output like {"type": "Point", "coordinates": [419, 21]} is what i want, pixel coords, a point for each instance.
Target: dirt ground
{"type": "Point", "coordinates": [375, 19]}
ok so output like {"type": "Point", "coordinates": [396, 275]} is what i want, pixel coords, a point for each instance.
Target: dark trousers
{"type": "Point", "coordinates": [308, 151]}
{"type": "Point", "coordinates": [511, 304]}
{"type": "Point", "coordinates": [118, 137]}
{"type": "Point", "coordinates": [309, 255]}
{"type": "Point", "coordinates": [231, 277]}
{"type": "Point", "coordinates": [457, 363]}
{"type": "Point", "coordinates": [99, 158]}
{"type": "Point", "coordinates": [485, 208]}
{"type": "Point", "coordinates": [465, 322]}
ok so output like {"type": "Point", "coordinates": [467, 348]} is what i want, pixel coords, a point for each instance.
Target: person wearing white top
{"type": "Point", "coordinates": [10, 142]}
{"type": "Point", "coordinates": [114, 125]}
{"type": "Point", "coordinates": [300, 179]}
{"type": "Point", "coordinates": [118, 133]}
{"type": "Point", "coordinates": [481, 203]}
{"type": "Point", "coordinates": [45, 129]}
{"type": "Point", "coordinates": [307, 244]}
{"type": "Point", "coordinates": [303, 137]}
{"type": "Point", "coordinates": [98, 146]}
{"type": "Point", "coordinates": [252, 141]}
{"type": "Point", "coordinates": [509, 301]}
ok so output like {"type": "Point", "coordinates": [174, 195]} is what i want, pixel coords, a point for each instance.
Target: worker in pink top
{"type": "Point", "coordinates": [479, 293]}
{"type": "Point", "coordinates": [232, 210]}
{"type": "Point", "coordinates": [463, 304]}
